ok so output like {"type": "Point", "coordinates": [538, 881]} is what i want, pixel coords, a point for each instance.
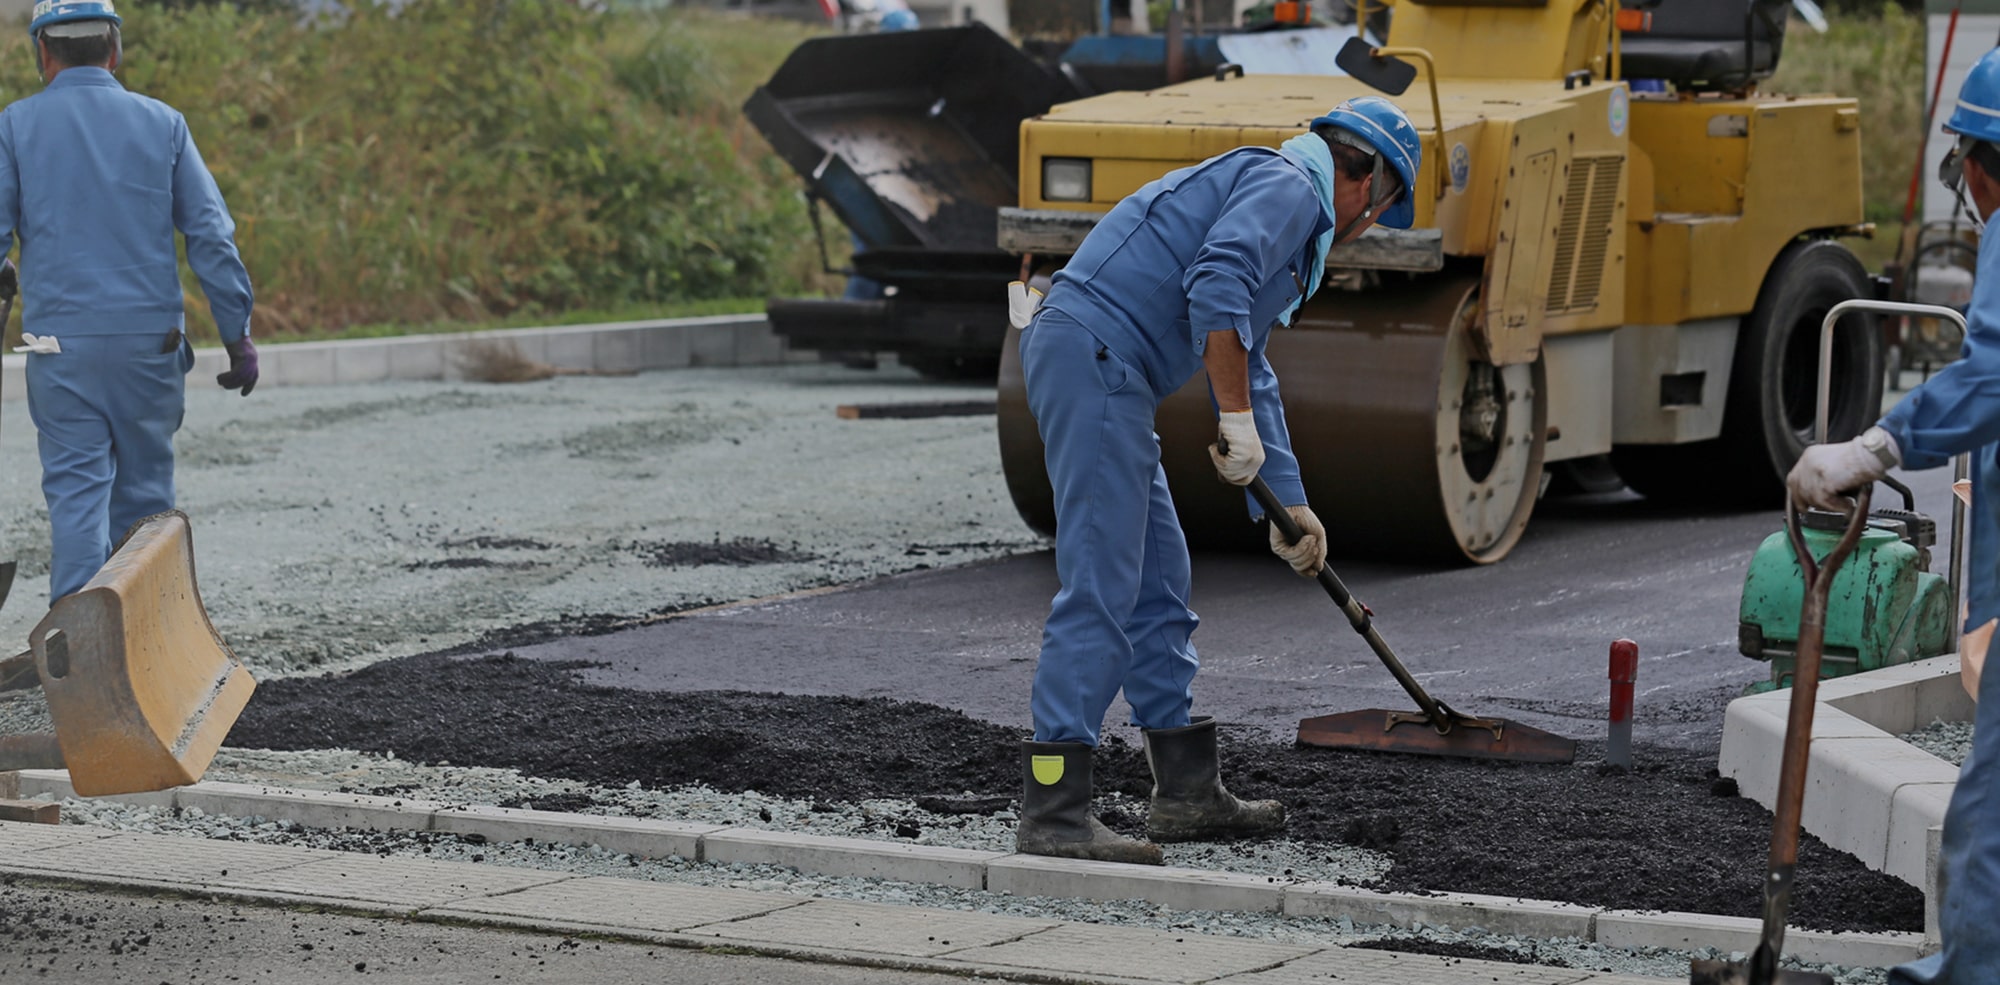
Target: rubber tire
{"type": "Point", "coordinates": [1769, 414]}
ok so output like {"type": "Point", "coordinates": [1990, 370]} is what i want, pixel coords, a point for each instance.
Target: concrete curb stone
{"type": "Point", "coordinates": [611, 347]}
{"type": "Point", "coordinates": [1020, 875]}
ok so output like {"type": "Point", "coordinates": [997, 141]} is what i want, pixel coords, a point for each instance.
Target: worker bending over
{"type": "Point", "coordinates": [1189, 273]}
{"type": "Point", "coordinates": [1958, 410]}
{"type": "Point", "coordinates": [94, 180]}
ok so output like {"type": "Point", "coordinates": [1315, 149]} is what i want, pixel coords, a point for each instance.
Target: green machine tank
{"type": "Point", "coordinates": [1886, 606]}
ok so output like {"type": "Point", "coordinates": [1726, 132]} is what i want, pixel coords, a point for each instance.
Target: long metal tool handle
{"type": "Point", "coordinates": [1357, 614]}
{"type": "Point", "coordinates": [1797, 754]}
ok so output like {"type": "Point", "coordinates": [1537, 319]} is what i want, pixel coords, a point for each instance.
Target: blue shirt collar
{"type": "Point", "coordinates": [84, 75]}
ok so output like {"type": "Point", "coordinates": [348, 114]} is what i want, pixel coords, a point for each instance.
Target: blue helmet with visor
{"type": "Point", "coordinates": [48, 13]}
{"type": "Point", "coordinates": [1380, 129]}
{"type": "Point", "coordinates": [1974, 120]}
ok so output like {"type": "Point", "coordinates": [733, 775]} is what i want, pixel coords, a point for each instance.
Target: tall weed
{"type": "Point", "coordinates": [470, 159]}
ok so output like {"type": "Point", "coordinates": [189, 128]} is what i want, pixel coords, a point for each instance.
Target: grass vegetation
{"type": "Point", "coordinates": [1875, 53]}
{"type": "Point", "coordinates": [476, 162]}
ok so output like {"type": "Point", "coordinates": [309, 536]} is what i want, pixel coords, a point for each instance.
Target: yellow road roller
{"type": "Point", "coordinates": [1623, 250]}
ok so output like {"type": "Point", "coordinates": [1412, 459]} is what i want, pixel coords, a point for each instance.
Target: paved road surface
{"type": "Point", "coordinates": [1526, 638]}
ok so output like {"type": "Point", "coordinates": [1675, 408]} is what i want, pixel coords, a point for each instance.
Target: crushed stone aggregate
{"type": "Point", "coordinates": [1949, 741]}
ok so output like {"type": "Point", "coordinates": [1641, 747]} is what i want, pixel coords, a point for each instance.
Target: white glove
{"type": "Point", "coordinates": [1825, 472]}
{"type": "Point", "coordinates": [41, 345]}
{"type": "Point", "coordinates": [1237, 429]}
{"type": "Point", "coordinates": [1308, 555]}
{"type": "Point", "coordinates": [1022, 303]}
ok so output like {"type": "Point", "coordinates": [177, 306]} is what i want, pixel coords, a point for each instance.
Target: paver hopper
{"type": "Point", "coordinates": [913, 139]}
{"type": "Point", "coordinates": [141, 687]}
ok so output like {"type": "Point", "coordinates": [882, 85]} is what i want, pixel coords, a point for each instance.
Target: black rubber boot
{"type": "Point", "coordinates": [1189, 802]}
{"type": "Point", "coordinates": [1055, 809]}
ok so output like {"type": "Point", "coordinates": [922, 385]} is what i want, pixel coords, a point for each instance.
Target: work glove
{"type": "Point", "coordinates": [242, 374]}
{"type": "Point", "coordinates": [1022, 303]}
{"type": "Point", "coordinates": [1825, 473]}
{"type": "Point", "coordinates": [1237, 453]}
{"type": "Point", "coordinates": [1308, 555]}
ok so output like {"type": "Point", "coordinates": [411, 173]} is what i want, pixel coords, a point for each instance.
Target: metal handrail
{"type": "Point", "coordinates": [1959, 464]}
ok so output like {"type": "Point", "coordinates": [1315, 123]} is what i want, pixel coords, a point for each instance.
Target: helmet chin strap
{"type": "Point", "coordinates": [1374, 203]}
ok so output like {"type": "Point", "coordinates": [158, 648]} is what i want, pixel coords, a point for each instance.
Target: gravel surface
{"type": "Point", "coordinates": [1949, 741]}
{"type": "Point", "coordinates": [1570, 953]}
{"type": "Point", "coordinates": [340, 525]}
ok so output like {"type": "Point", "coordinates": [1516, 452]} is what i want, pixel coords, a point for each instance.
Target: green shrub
{"type": "Point", "coordinates": [471, 159]}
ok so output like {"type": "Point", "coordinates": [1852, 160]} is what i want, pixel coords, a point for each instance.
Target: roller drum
{"type": "Point", "coordinates": [1410, 446]}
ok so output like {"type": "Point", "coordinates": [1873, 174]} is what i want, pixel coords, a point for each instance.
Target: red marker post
{"type": "Point", "coordinates": [1624, 674]}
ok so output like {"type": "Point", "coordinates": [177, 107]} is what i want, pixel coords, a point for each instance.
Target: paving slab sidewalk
{"type": "Point", "coordinates": [778, 924]}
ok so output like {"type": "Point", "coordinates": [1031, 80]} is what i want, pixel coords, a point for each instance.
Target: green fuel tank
{"type": "Point", "coordinates": [1886, 607]}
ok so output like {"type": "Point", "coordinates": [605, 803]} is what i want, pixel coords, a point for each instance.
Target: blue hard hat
{"type": "Point", "coordinates": [48, 12]}
{"type": "Point", "coordinates": [898, 20]}
{"type": "Point", "coordinates": [1382, 126]}
{"type": "Point", "coordinates": [1978, 112]}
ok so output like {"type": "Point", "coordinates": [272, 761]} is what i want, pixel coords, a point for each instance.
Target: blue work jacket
{"type": "Point", "coordinates": [1225, 245]}
{"type": "Point", "coordinates": [94, 180]}
{"type": "Point", "coordinates": [1958, 410]}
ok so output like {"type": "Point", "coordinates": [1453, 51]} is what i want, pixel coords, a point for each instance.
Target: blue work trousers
{"type": "Point", "coordinates": [1970, 859]}
{"type": "Point", "coordinates": [1121, 618]}
{"type": "Point", "coordinates": [105, 410]}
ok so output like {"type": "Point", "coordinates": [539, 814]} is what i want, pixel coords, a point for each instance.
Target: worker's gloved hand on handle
{"type": "Point", "coordinates": [242, 374]}
{"type": "Point", "coordinates": [1826, 473]}
{"type": "Point", "coordinates": [1238, 452]}
{"type": "Point", "coordinates": [1307, 556]}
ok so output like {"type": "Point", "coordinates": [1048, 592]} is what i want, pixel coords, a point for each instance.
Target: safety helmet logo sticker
{"type": "Point", "coordinates": [1461, 168]}
{"type": "Point", "coordinates": [1620, 112]}
{"type": "Point", "coordinates": [1048, 770]}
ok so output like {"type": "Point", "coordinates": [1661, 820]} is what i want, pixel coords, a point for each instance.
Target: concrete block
{"type": "Point", "coordinates": [954, 867]}
{"type": "Point", "coordinates": [619, 350]}
{"type": "Point", "coordinates": [570, 348]}
{"type": "Point", "coordinates": [1883, 698]}
{"type": "Point", "coordinates": [665, 346]}
{"type": "Point", "coordinates": [1855, 950]}
{"type": "Point", "coordinates": [639, 837]}
{"type": "Point", "coordinates": [620, 903]}
{"type": "Point", "coordinates": [359, 362]}
{"type": "Point", "coordinates": [1753, 734]}
{"type": "Point", "coordinates": [758, 345]}
{"type": "Point", "coordinates": [30, 811]}
{"type": "Point", "coordinates": [1683, 931]}
{"type": "Point", "coordinates": [1135, 953]}
{"type": "Point", "coordinates": [312, 808]}
{"type": "Point", "coordinates": [1941, 697]}
{"type": "Point", "coordinates": [1181, 889]}
{"type": "Point", "coordinates": [1358, 965]}
{"type": "Point", "coordinates": [1458, 911]}
{"type": "Point", "coordinates": [407, 883]}
{"type": "Point", "coordinates": [711, 345]}
{"type": "Point", "coordinates": [1917, 809]}
{"type": "Point", "coordinates": [876, 928]}
{"type": "Point", "coordinates": [301, 364]}
{"type": "Point", "coordinates": [419, 357]}
{"type": "Point", "coordinates": [164, 859]}
{"type": "Point", "coordinates": [55, 785]}
{"type": "Point", "coordinates": [1851, 786]}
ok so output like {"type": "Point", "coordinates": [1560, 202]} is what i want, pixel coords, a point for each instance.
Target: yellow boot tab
{"type": "Point", "coordinates": [1048, 769]}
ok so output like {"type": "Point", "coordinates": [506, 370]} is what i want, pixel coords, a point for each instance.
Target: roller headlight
{"type": "Point", "coordinates": [1066, 179]}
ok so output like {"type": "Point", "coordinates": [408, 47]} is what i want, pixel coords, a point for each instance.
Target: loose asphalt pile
{"type": "Point", "coordinates": [1666, 836]}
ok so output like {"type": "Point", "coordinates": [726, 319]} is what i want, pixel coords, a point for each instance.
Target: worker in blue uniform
{"type": "Point", "coordinates": [1955, 411]}
{"type": "Point", "coordinates": [94, 181]}
{"type": "Point", "coordinates": [1189, 273]}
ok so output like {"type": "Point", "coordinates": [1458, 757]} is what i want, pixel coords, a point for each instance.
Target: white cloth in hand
{"type": "Point", "coordinates": [1022, 303]}
{"type": "Point", "coordinates": [1825, 473]}
{"type": "Point", "coordinates": [1308, 555]}
{"type": "Point", "coordinates": [45, 345]}
{"type": "Point", "coordinates": [1237, 431]}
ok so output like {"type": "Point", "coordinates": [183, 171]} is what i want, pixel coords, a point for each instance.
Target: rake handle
{"type": "Point", "coordinates": [1357, 614]}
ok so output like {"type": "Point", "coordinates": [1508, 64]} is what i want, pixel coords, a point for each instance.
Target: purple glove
{"type": "Point", "coordinates": [242, 366]}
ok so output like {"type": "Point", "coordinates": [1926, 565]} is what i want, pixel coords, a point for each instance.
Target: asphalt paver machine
{"type": "Point", "coordinates": [1597, 268]}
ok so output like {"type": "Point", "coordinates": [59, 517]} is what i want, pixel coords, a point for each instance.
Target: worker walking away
{"type": "Point", "coordinates": [1955, 411]}
{"type": "Point", "coordinates": [1189, 273]}
{"type": "Point", "coordinates": [94, 180]}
